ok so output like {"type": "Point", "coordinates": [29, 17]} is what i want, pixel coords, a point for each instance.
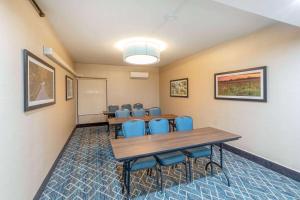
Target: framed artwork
{"type": "Point", "coordinates": [69, 88]}
{"type": "Point", "coordinates": [179, 88]}
{"type": "Point", "coordinates": [39, 82]}
{"type": "Point", "coordinates": [246, 85]}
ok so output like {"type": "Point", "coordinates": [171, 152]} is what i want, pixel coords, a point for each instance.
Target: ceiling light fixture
{"type": "Point", "coordinates": [141, 51]}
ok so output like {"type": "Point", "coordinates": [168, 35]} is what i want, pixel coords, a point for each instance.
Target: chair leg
{"type": "Point", "coordinates": [123, 178]}
{"type": "Point", "coordinates": [150, 173]}
{"type": "Point", "coordinates": [161, 179]}
{"type": "Point", "coordinates": [157, 178]}
{"type": "Point", "coordinates": [186, 170]}
{"type": "Point", "coordinates": [128, 183]}
{"type": "Point", "coordinates": [211, 163]}
{"type": "Point", "coordinates": [195, 160]}
{"type": "Point", "coordinates": [190, 169]}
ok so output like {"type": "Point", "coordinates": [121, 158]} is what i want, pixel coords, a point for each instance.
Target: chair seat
{"type": "Point", "coordinates": [197, 152]}
{"type": "Point", "coordinates": [170, 158]}
{"type": "Point", "coordinates": [144, 163]}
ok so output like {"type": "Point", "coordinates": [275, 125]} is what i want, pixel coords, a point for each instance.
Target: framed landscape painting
{"type": "Point", "coordinates": [179, 88]}
{"type": "Point", "coordinates": [69, 88]}
{"type": "Point", "coordinates": [247, 85]}
{"type": "Point", "coordinates": [39, 82]}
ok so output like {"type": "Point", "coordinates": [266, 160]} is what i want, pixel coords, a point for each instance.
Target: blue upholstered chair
{"type": "Point", "coordinates": [138, 106]}
{"type": "Point", "coordinates": [126, 106]}
{"type": "Point", "coordinates": [113, 108]}
{"type": "Point", "coordinates": [138, 112]}
{"type": "Point", "coordinates": [121, 114]}
{"type": "Point", "coordinates": [135, 128]}
{"type": "Point", "coordinates": [161, 126]}
{"type": "Point", "coordinates": [185, 123]}
{"type": "Point", "coordinates": [155, 111]}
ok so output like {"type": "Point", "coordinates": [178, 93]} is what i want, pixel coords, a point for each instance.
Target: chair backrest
{"type": "Point", "coordinates": [138, 112]}
{"type": "Point", "coordinates": [126, 106]}
{"type": "Point", "coordinates": [133, 128]}
{"type": "Point", "coordinates": [154, 111]}
{"type": "Point", "coordinates": [122, 113]}
{"type": "Point", "coordinates": [159, 126]}
{"type": "Point", "coordinates": [138, 106]}
{"type": "Point", "coordinates": [184, 123]}
{"type": "Point", "coordinates": [113, 108]}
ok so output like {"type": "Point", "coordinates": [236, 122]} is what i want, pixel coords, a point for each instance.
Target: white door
{"type": "Point", "coordinates": [91, 100]}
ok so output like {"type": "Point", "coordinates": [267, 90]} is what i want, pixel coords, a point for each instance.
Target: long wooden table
{"type": "Point", "coordinates": [118, 121]}
{"type": "Point", "coordinates": [109, 114]}
{"type": "Point", "coordinates": [129, 149]}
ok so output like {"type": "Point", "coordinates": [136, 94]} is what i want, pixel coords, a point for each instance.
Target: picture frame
{"type": "Point", "coordinates": [69, 88]}
{"type": "Point", "coordinates": [39, 82]}
{"type": "Point", "coordinates": [179, 88]}
{"type": "Point", "coordinates": [243, 85]}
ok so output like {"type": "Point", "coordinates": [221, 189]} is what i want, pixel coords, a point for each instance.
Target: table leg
{"type": "Point", "coordinates": [221, 155]}
{"type": "Point", "coordinates": [124, 176]}
{"type": "Point", "coordinates": [220, 165]}
{"type": "Point", "coordinates": [127, 164]}
{"type": "Point", "coordinates": [221, 160]}
{"type": "Point", "coordinates": [147, 128]}
{"type": "Point", "coordinates": [116, 131]}
{"type": "Point", "coordinates": [172, 124]}
{"type": "Point", "coordinates": [108, 129]}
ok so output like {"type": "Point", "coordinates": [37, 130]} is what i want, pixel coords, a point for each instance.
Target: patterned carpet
{"type": "Point", "coordinates": [87, 170]}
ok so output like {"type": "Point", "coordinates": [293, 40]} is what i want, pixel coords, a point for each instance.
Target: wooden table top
{"type": "Point", "coordinates": [131, 148]}
{"type": "Point", "coordinates": [114, 121]}
{"type": "Point", "coordinates": [108, 113]}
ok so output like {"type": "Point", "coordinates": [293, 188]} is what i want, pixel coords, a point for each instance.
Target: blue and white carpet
{"type": "Point", "coordinates": [87, 170]}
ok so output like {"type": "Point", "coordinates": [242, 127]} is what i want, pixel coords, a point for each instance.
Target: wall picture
{"type": "Point", "coordinates": [248, 85]}
{"type": "Point", "coordinates": [39, 82]}
{"type": "Point", "coordinates": [179, 88]}
{"type": "Point", "coordinates": [69, 88]}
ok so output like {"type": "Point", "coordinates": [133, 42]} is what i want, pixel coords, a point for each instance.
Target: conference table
{"type": "Point", "coordinates": [108, 114]}
{"type": "Point", "coordinates": [128, 150]}
{"type": "Point", "coordinates": [117, 122]}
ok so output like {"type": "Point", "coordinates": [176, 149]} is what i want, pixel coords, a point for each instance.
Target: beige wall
{"type": "Point", "coordinates": [31, 141]}
{"type": "Point", "coordinates": [270, 130]}
{"type": "Point", "coordinates": [120, 88]}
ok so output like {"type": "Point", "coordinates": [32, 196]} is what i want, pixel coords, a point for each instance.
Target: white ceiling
{"type": "Point", "coordinates": [90, 29]}
{"type": "Point", "coordinates": [287, 11]}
